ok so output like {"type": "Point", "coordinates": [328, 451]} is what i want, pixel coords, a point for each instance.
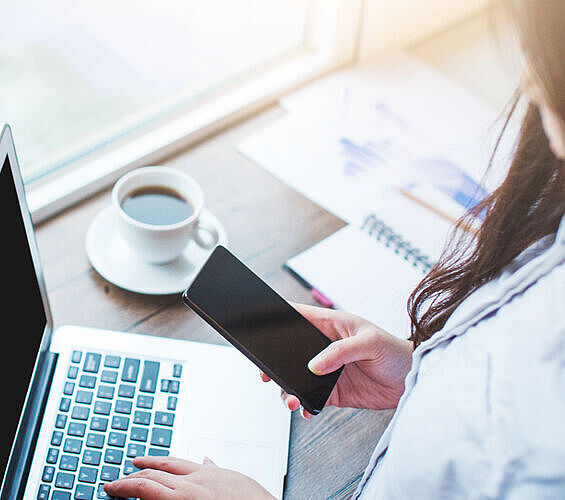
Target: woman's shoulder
{"type": "Point", "coordinates": [532, 323]}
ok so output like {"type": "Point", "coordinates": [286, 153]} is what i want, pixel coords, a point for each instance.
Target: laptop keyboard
{"type": "Point", "coordinates": [111, 410]}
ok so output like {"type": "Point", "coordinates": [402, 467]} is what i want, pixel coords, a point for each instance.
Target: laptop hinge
{"type": "Point", "coordinates": [24, 444]}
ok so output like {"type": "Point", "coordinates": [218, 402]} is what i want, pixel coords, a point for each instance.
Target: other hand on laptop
{"type": "Point", "coordinates": [168, 478]}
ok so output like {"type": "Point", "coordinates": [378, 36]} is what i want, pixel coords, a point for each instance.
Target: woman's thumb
{"type": "Point", "coordinates": [337, 354]}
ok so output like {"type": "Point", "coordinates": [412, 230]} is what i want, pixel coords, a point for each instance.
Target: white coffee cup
{"type": "Point", "coordinates": [160, 243]}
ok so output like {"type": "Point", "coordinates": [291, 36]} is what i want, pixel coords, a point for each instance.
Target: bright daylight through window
{"type": "Point", "coordinates": [79, 76]}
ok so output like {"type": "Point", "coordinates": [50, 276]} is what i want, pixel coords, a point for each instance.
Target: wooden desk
{"type": "Point", "coordinates": [266, 222]}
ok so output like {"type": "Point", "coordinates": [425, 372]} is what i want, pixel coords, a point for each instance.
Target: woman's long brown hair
{"type": "Point", "coordinates": [529, 203]}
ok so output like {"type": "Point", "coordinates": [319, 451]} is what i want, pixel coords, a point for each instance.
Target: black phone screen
{"type": "Point", "coordinates": [262, 325]}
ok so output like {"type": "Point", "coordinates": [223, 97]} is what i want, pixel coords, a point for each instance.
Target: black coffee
{"type": "Point", "coordinates": [158, 205]}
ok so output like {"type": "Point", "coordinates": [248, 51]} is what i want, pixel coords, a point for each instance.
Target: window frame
{"type": "Point", "coordinates": [331, 41]}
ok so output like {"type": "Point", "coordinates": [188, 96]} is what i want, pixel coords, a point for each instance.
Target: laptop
{"type": "Point", "coordinates": [83, 402]}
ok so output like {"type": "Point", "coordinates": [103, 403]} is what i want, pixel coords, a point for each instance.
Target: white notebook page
{"type": "Point", "coordinates": [361, 275]}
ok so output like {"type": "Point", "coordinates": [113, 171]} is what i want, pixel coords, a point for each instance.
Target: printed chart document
{"type": "Point", "coordinates": [394, 123]}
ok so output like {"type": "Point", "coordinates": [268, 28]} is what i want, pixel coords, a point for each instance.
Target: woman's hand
{"type": "Point", "coordinates": [167, 478]}
{"type": "Point", "coordinates": [376, 363]}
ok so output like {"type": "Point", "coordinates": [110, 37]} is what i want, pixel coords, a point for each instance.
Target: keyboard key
{"type": "Point", "coordinates": [145, 401]}
{"type": "Point", "coordinates": [61, 495]}
{"type": "Point", "coordinates": [52, 455]}
{"type": "Point", "coordinates": [113, 456]}
{"type": "Point", "coordinates": [135, 450]}
{"type": "Point", "coordinates": [84, 397]}
{"type": "Point", "coordinates": [142, 417]}
{"type": "Point", "coordinates": [65, 404]}
{"type": "Point", "coordinates": [76, 429]}
{"type": "Point", "coordinates": [72, 372]}
{"type": "Point", "coordinates": [56, 438]}
{"type": "Point", "coordinates": [164, 418]}
{"type": "Point", "coordinates": [164, 385]}
{"type": "Point", "coordinates": [149, 377]}
{"type": "Point", "coordinates": [60, 421]}
{"type": "Point", "coordinates": [129, 468]}
{"type": "Point", "coordinates": [76, 356]}
{"type": "Point", "coordinates": [111, 361]}
{"type": "Point", "coordinates": [172, 403]}
{"type": "Point", "coordinates": [43, 493]}
{"type": "Point", "coordinates": [48, 473]}
{"type": "Point", "coordinates": [158, 452]}
{"type": "Point", "coordinates": [64, 480]}
{"type": "Point", "coordinates": [109, 376]}
{"type": "Point", "coordinates": [130, 370]}
{"type": "Point", "coordinates": [72, 445]}
{"type": "Point", "coordinates": [123, 406]}
{"type": "Point", "coordinates": [87, 381]}
{"type": "Point", "coordinates": [102, 407]}
{"type": "Point", "coordinates": [80, 412]}
{"type": "Point", "coordinates": [94, 440]}
{"type": "Point", "coordinates": [126, 391]}
{"type": "Point", "coordinates": [177, 370]}
{"type": "Point", "coordinates": [174, 386]}
{"type": "Point", "coordinates": [117, 439]}
{"type": "Point", "coordinates": [139, 434]}
{"type": "Point", "coordinates": [68, 462]}
{"type": "Point", "coordinates": [91, 457]}
{"type": "Point", "coordinates": [106, 391]}
{"type": "Point", "coordinates": [84, 492]}
{"type": "Point", "coordinates": [101, 494]}
{"type": "Point", "coordinates": [68, 388]}
{"type": "Point", "coordinates": [92, 362]}
{"type": "Point", "coordinates": [109, 473]}
{"type": "Point", "coordinates": [161, 437]}
{"type": "Point", "coordinates": [99, 424]}
{"type": "Point", "coordinates": [120, 423]}
{"type": "Point", "coordinates": [87, 474]}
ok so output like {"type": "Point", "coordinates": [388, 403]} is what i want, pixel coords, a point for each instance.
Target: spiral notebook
{"type": "Point", "coordinates": [369, 271]}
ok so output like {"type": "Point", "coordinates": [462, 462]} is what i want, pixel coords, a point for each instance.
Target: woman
{"type": "Point", "coordinates": [480, 387]}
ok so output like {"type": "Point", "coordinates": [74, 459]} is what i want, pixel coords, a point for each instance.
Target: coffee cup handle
{"type": "Point", "coordinates": [209, 242]}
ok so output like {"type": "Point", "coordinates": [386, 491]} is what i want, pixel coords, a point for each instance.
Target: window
{"type": "Point", "coordinates": [92, 89]}
{"type": "Point", "coordinates": [77, 76]}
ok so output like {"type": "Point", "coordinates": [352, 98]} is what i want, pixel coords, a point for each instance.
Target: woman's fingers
{"type": "Point", "coordinates": [264, 378]}
{"type": "Point", "coordinates": [339, 353]}
{"type": "Point", "coordinates": [166, 464]}
{"type": "Point", "coordinates": [324, 319]}
{"type": "Point", "coordinates": [305, 413]}
{"type": "Point", "coordinates": [158, 476]}
{"type": "Point", "coordinates": [292, 402]}
{"type": "Point", "coordinates": [138, 487]}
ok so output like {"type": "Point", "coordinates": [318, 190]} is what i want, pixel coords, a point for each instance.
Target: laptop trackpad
{"type": "Point", "coordinates": [254, 461]}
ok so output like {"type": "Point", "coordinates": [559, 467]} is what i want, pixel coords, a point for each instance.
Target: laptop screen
{"type": "Point", "coordinates": [23, 316]}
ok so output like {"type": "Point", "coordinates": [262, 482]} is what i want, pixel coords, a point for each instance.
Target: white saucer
{"type": "Point", "coordinates": [112, 258]}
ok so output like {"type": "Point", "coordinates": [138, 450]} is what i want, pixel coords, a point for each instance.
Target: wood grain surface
{"type": "Point", "coordinates": [267, 222]}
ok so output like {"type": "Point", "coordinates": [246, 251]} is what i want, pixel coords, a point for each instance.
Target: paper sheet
{"type": "Point", "coordinates": [362, 276]}
{"type": "Point", "coordinates": [348, 137]}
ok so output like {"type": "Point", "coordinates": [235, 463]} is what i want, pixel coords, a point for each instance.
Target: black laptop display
{"type": "Point", "coordinates": [23, 313]}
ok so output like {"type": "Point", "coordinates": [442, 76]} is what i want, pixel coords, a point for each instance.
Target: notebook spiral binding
{"type": "Point", "coordinates": [374, 226]}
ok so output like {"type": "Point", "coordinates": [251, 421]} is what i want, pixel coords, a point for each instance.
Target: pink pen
{"type": "Point", "coordinates": [321, 298]}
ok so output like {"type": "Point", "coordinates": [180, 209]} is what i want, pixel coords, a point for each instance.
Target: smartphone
{"type": "Point", "coordinates": [262, 325]}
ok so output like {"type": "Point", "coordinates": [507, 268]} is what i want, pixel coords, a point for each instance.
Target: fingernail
{"type": "Point", "coordinates": [314, 365]}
